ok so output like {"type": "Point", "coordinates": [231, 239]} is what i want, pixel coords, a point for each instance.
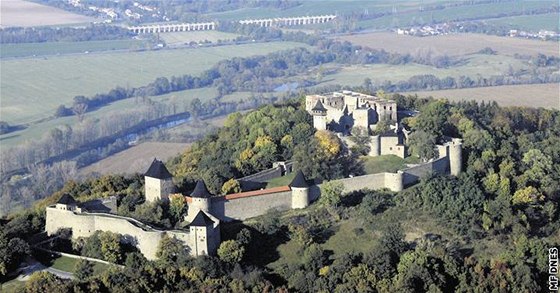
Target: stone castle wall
{"type": "Point", "coordinates": [413, 175]}
{"type": "Point", "coordinates": [227, 209]}
{"type": "Point", "coordinates": [85, 224]}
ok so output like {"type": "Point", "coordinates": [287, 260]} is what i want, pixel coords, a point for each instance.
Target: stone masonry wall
{"type": "Point", "coordinates": [248, 207]}
{"type": "Point", "coordinates": [413, 175]}
{"type": "Point", "coordinates": [85, 224]}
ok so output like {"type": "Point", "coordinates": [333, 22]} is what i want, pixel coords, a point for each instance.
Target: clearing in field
{"type": "Point", "coordinates": [25, 14]}
{"type": "Point", "coordinates": [33, 88]}
{"type": "Point", "coordinates": [136, 159]}
{"type": "Point", "coordinates": [456, 44]}
{"type": "Point", "coordinates": [526, 95]}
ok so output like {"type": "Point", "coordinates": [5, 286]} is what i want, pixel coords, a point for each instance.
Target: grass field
{"type": "Point", "coordinates": [26, 13]}
{"type": "Point", "coordinates": [474, 66]}
{"type": "Point", "coordinates": [67, 264]}
{"type": "Point", "coordinates": [389, 163]}
{"type": "Point", "coordinates": [281, 181]}
{"type": "Point", "coordinates": [196, 36]}
{"type": "Point", "coordinates": [33, 88]}
{"type": "Point", "coordinates": [530, 95]}
{"type": "Point", "coordinates": [12, 286]}
{"type": "Point", "coordinates": [529, 22]}
{"type": "Point", "coordinates": [456, 44]}
{"type": "Point", "coordinates": [136, 159]}
{"type": "Point", "coordinates": [55, 48]}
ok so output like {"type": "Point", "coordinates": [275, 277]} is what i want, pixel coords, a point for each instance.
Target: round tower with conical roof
{"type": "Point", "coordinates": [300, 191]}
{"type": "Point", "coordinates": [319, 113]}
{"type": "Point", "coordinates": [200, 200]}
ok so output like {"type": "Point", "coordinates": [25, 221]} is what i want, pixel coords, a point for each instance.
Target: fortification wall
{"type": "Point", "coordinates": [247, 207]}
{"type": "Point", "coordinates": [85, 224]}
{"type": "Point", "coordinates": [413, 175]}
{"type": "Point", "coordinates": [264, 175]}
{"type": "Point", "coordinates": [372, 181]}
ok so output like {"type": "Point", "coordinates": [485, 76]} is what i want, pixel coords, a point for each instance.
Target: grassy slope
{"type": "Point", "coordinates": [33, 88]}
{"type": "Point", "coordinates": [67, 264]}
{"type": "Point", "coordinates": [281, 181]}
{"type": "Point", "coordinates": [181, 99]}
{"type": "Point", "coordinates": [388, 163]}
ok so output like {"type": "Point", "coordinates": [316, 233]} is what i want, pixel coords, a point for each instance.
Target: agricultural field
{"type": "Point", "coordinates": [474, 66]}
{"type": "Point", "coordinates": [532, 23]}
{"type": "Point", "coordinates": [319, 7]}
{"type": "Point", "coordinates": [33, 88]}
{"type": "Point", "coordinates": [404, 18]}
{"type": "Point", "coordinates": [527, 95]}
{"type": "Point", "coordinates": [26, 13]}
{"type": "Point", "coordinates": [456, 44]}
{"type": "Point", "coordinates": [180, 38]}
{"type": "Point", "coordinates": [59, 48]}
{"type": "Point", "coordinates": [136, 159]}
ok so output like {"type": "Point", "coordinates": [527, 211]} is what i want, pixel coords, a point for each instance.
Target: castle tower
{"type": "Point", "coordinates": [375, 146]}
{"type": "Point", "coordinates": [66, 203]}
{"type": "Point", "coordinates": [455, 156]}
{"type": "Point", "coordinates": [319, 113]}
{"type": "Point", "coordinates": [201, 232]}
{"type": "Point", "coordinates": [300, 191]}
{"type": "Point", "coordinates": [158, 182]}
{"type": "Point", "coordinates": [394, 181]}
{"type": "Point", "coordinates": [200, 200]}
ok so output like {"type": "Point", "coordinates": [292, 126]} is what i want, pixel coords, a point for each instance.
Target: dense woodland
{"type": "Point", "coordinates": [507, 197]}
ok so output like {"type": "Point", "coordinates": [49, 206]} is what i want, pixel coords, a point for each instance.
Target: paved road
{"type": "Point", "coordinates": [35, 266]}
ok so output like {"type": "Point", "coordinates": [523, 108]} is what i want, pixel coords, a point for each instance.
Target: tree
{"type": "Point", "coordinates": [422, 144]}
{"type": "Point", "coordinates": [111, 246]}
{"type": "Point", "coordinates": [177, 207]}
{"type": "Point", "coordinates": [231, 251]}
{"type": "Point", "coordinates": [80, 109]}
{"type": "Point", "coordinates": [433, 117]}
{"type": "Point", "coordinates": [527, 195]}
{"type": "Point", "coordinates": [231, 186]}
{"type": "Point", "coordinates": [172, 250]}
{"type": "Point", "coordinates": [43, 281]}
{"type": "Point", "coordinates": [331, 192]}
{"type": "Point", "coordinates": [83, 269]}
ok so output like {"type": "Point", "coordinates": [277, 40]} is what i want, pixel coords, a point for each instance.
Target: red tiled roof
{"type": "Point", "coordinates": [257, 192]}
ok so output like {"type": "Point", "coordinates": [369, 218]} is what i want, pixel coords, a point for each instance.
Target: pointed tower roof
{"type": "Point", "coordinates": [158, 170]}
{"type": "Point", "coordinates": [319, 107]}
{"type": "Point", "coordinates": [201, 219]}
{"type": "Point", "coordinates": [67, 200]}
{"type": "Point", "coordinates": [299, 180]}
{"type": "Point", "coordinates": [200, 190]}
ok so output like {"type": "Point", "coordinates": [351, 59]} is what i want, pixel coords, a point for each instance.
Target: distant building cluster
{"type": "Point", "coordinates": [542, 34]}
{"type": "Point", "coordinates": [427, 30]}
